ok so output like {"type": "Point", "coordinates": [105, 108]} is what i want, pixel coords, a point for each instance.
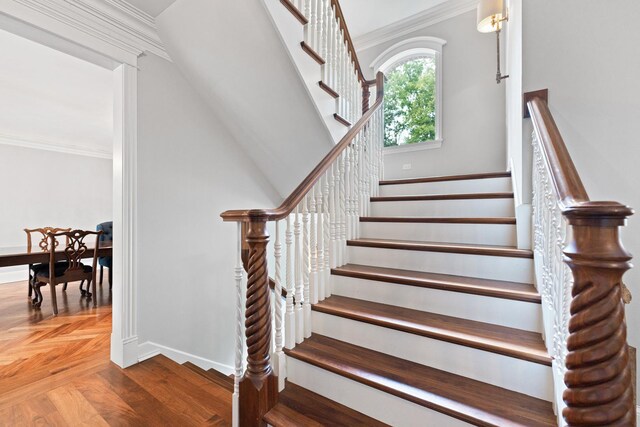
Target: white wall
{"type": "Point", "coordinates": [233, 56]}
{"type": "Point", "coordinates": [43, 188]}
{"type": "Point", "coordinates": [473, 104]}
{"type": "Point", "coordinates": [189, 171]}
{"type": "Point", "coordinates": [587, 54]}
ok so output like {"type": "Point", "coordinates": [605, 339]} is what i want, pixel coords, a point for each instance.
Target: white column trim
{"type": "Point", "coordinates": [124, 339]}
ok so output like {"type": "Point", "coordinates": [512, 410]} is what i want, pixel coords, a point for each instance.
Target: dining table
{"type": "Point", "coordinates": [23, 255]}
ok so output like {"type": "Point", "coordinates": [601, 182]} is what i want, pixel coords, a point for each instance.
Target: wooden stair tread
{"type": "Point", "coordinates": [298, 406]}
{"type": "Point", "coordinates": [440, 220]}
{"type": "Point", "coordinates": [447, 178]}
{"type": "Point", "coordinates": [455, 196]}
{"type": "Point", "coordinates": [460, 397]}
{"type": "Point", "coordinates": [471, 285]}
{"type": "Point", "coordinates": [212, 375]}
{"type": "Point", "coordinates": [511, 342]}
{"type": "Point", "coordinates": [461, 248]}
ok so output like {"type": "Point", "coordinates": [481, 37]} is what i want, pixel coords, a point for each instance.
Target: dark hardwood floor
{"type": "Point", "coordinates": [55, 371]}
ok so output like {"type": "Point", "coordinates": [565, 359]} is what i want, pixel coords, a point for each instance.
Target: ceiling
{"type": "Point", "coordinates": [364, 16]}
{"type": "Point", "coordinates": [49, 97]}
{"type": "Point", "coordinates": [152, 7]}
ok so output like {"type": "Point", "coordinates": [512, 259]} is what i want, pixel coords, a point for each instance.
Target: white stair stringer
{"type": "Point", "coordinates": [292, 33]}
{"type": "Point", "coordinates": [482, 266]}
{"type": "Point", "coordinates": [486, 185]}
{"type": "Point", "coordinates": [499, 311]}
{"type": "Point", "coordinates": [485, 234]}
{"type": "Point", "coordinates": [531, 378]}
{"type": "Point", "coordinates": [370, 401]}
{"type": "Point", "coordinates": [445, 208]}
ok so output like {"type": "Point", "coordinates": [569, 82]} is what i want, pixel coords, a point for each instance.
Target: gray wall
{"type": "Point", "coordinates": [46, 188]}
{"type": "Point", "coordinates": [591, 66]}
{"type": "Point", "coordinates": [473, 104]}
{"type": "Point", "coordinates": [190, 170]}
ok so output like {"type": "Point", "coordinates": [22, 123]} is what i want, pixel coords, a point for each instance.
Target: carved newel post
{"type": "Point", "coordinates": [598, 376]}
{"type": "Point", "coordinates": [259, 385]}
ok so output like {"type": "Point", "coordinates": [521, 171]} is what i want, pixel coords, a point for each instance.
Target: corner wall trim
{"type": "Point", "coordinates": [421, 20]}
{"type": "Point", "coordinates": [149, 349]}
{"type": "Point", "coordinates": [38, 144]}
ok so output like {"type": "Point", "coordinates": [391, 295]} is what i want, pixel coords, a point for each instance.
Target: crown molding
{"type": "Point", "coordinates": [114, 22]}
{"type": "Point", "coordinates": [426, 18]}
{"type": "Point", "coordinates": [41, 144]}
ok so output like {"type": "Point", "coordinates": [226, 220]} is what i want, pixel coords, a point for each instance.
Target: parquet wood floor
{"type": "Point", "coordinates": [55, 371]}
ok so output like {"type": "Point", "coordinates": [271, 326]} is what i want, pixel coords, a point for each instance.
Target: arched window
{"type": "Point", "coordinates": [413, 93]}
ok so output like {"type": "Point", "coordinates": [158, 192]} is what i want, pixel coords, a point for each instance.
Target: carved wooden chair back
{"type": "Point", "coordinates": [43, 243]}
{"type": "Point", "coordinates": [75, 250]}
{"type": "Point", "coordinates": [73, 270]}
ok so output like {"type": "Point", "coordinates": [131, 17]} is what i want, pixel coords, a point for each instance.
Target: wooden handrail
{"type": "Point", "coordinates": [599, 390]}
{"type": "Point", "coordinates": [297, 195]}
{"type": "Point", "coordinates": [347, 37]}
{"type": "Point", "coordinates": [566, 180]}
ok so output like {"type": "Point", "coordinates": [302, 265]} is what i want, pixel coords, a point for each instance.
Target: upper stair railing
{"type": "Point", "coordinates": [314, 222]}
{"type": "Point", "coordinates": [580, 262]}
{"type": "Point", "coordinates": [327, 39]}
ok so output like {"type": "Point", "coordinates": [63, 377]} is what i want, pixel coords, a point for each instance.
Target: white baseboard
{"type": "Point", "coordinates": [14, 274]}
{"type": "Point", "coordinates": [150, 349]}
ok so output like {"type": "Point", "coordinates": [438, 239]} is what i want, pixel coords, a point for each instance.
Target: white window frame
{"type": "Point", "coordinates": [407, 50]}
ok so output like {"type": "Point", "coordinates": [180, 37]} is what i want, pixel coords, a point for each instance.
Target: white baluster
{"type": "Point", "coordinates": [313, 247]}
{"type": "Point", "coordinates": [298, 278]}
{"type": "Point", "coordinates": [319, 291]}
{"type": "Point", "coordinates": [313, 24]}
{"type": "Point", "coordinates": [327, 236]}
{"type": "Point", "coordinates": [239, 362]}
{"type": "Point", "coordinates": [279, 358]}
{"type": "Point", "coordinates": [343, 211]}
{"type": "Point", "coordinates": [333, 200]}
{"type": "Point", "coordinates": [307, 28]}
{"type": "Point", "coordinates": [290, 319]}
{"type": "Point", "coordinates": [347, 191]}
{"type": "Point", "coordinates": [324, 39]}
{"type": "Point", "coordinates": [306, 255]}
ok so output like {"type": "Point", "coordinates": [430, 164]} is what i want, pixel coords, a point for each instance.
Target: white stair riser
{"type": "Point", "coordinates": [499, 311]}
{"type": "Point", "coordinates": [485, 234]}
{"type": "Point", "coordinates": [482, 266]}
{"type": "Point", "coordinates": [370, 401]}
{"type": "Point", "coordinates": [507, 372]}
{"type": "Point", "coordinates": [445, 208]}
{"type": "Point", "coordinates": [492, 185]}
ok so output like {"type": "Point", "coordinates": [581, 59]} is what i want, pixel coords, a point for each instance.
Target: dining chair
{"type": "Point", "coordinates": [106, 261]}
{"type": "Point", "coordinates": [74, 270]}
{"type": "Point", "coordinates": [43, 245]}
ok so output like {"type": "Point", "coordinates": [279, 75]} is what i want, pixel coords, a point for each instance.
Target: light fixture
{"type": "Point", "coordinates": [491, 13]}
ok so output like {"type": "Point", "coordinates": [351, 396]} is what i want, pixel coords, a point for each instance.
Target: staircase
{"type": "Point", "coordinates": [420, 331]}
{"type": "Point", "coordinates": [408, 302]}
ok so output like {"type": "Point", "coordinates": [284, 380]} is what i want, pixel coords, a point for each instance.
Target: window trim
{"type": "Point", "coordinates": [407, 50]}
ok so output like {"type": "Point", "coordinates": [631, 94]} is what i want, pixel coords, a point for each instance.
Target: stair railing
{"type": "Point", "coordinates": [316, 221]}
{"type": "Point", "coordinates": [580, 262]}
{"type": "Point", "coordinates": [327, 37]}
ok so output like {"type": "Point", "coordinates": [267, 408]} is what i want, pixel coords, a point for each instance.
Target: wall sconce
{"type": "Point", "coordinates": [491, 13]}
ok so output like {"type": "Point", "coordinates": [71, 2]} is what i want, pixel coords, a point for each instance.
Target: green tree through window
{"type": "Point", "coordinates": [410, 103]}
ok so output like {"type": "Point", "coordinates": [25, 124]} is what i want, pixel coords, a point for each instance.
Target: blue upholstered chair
{"type": "Point", "coordinates": [107, 235]}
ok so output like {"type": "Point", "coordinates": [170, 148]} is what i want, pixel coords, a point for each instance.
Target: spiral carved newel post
{"type": "Point", "coordinates": [579, 261]}
{"type": "Point", "coordinates": [259, 385]}
{"type": "Point", "coordinates": [598, 377]}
